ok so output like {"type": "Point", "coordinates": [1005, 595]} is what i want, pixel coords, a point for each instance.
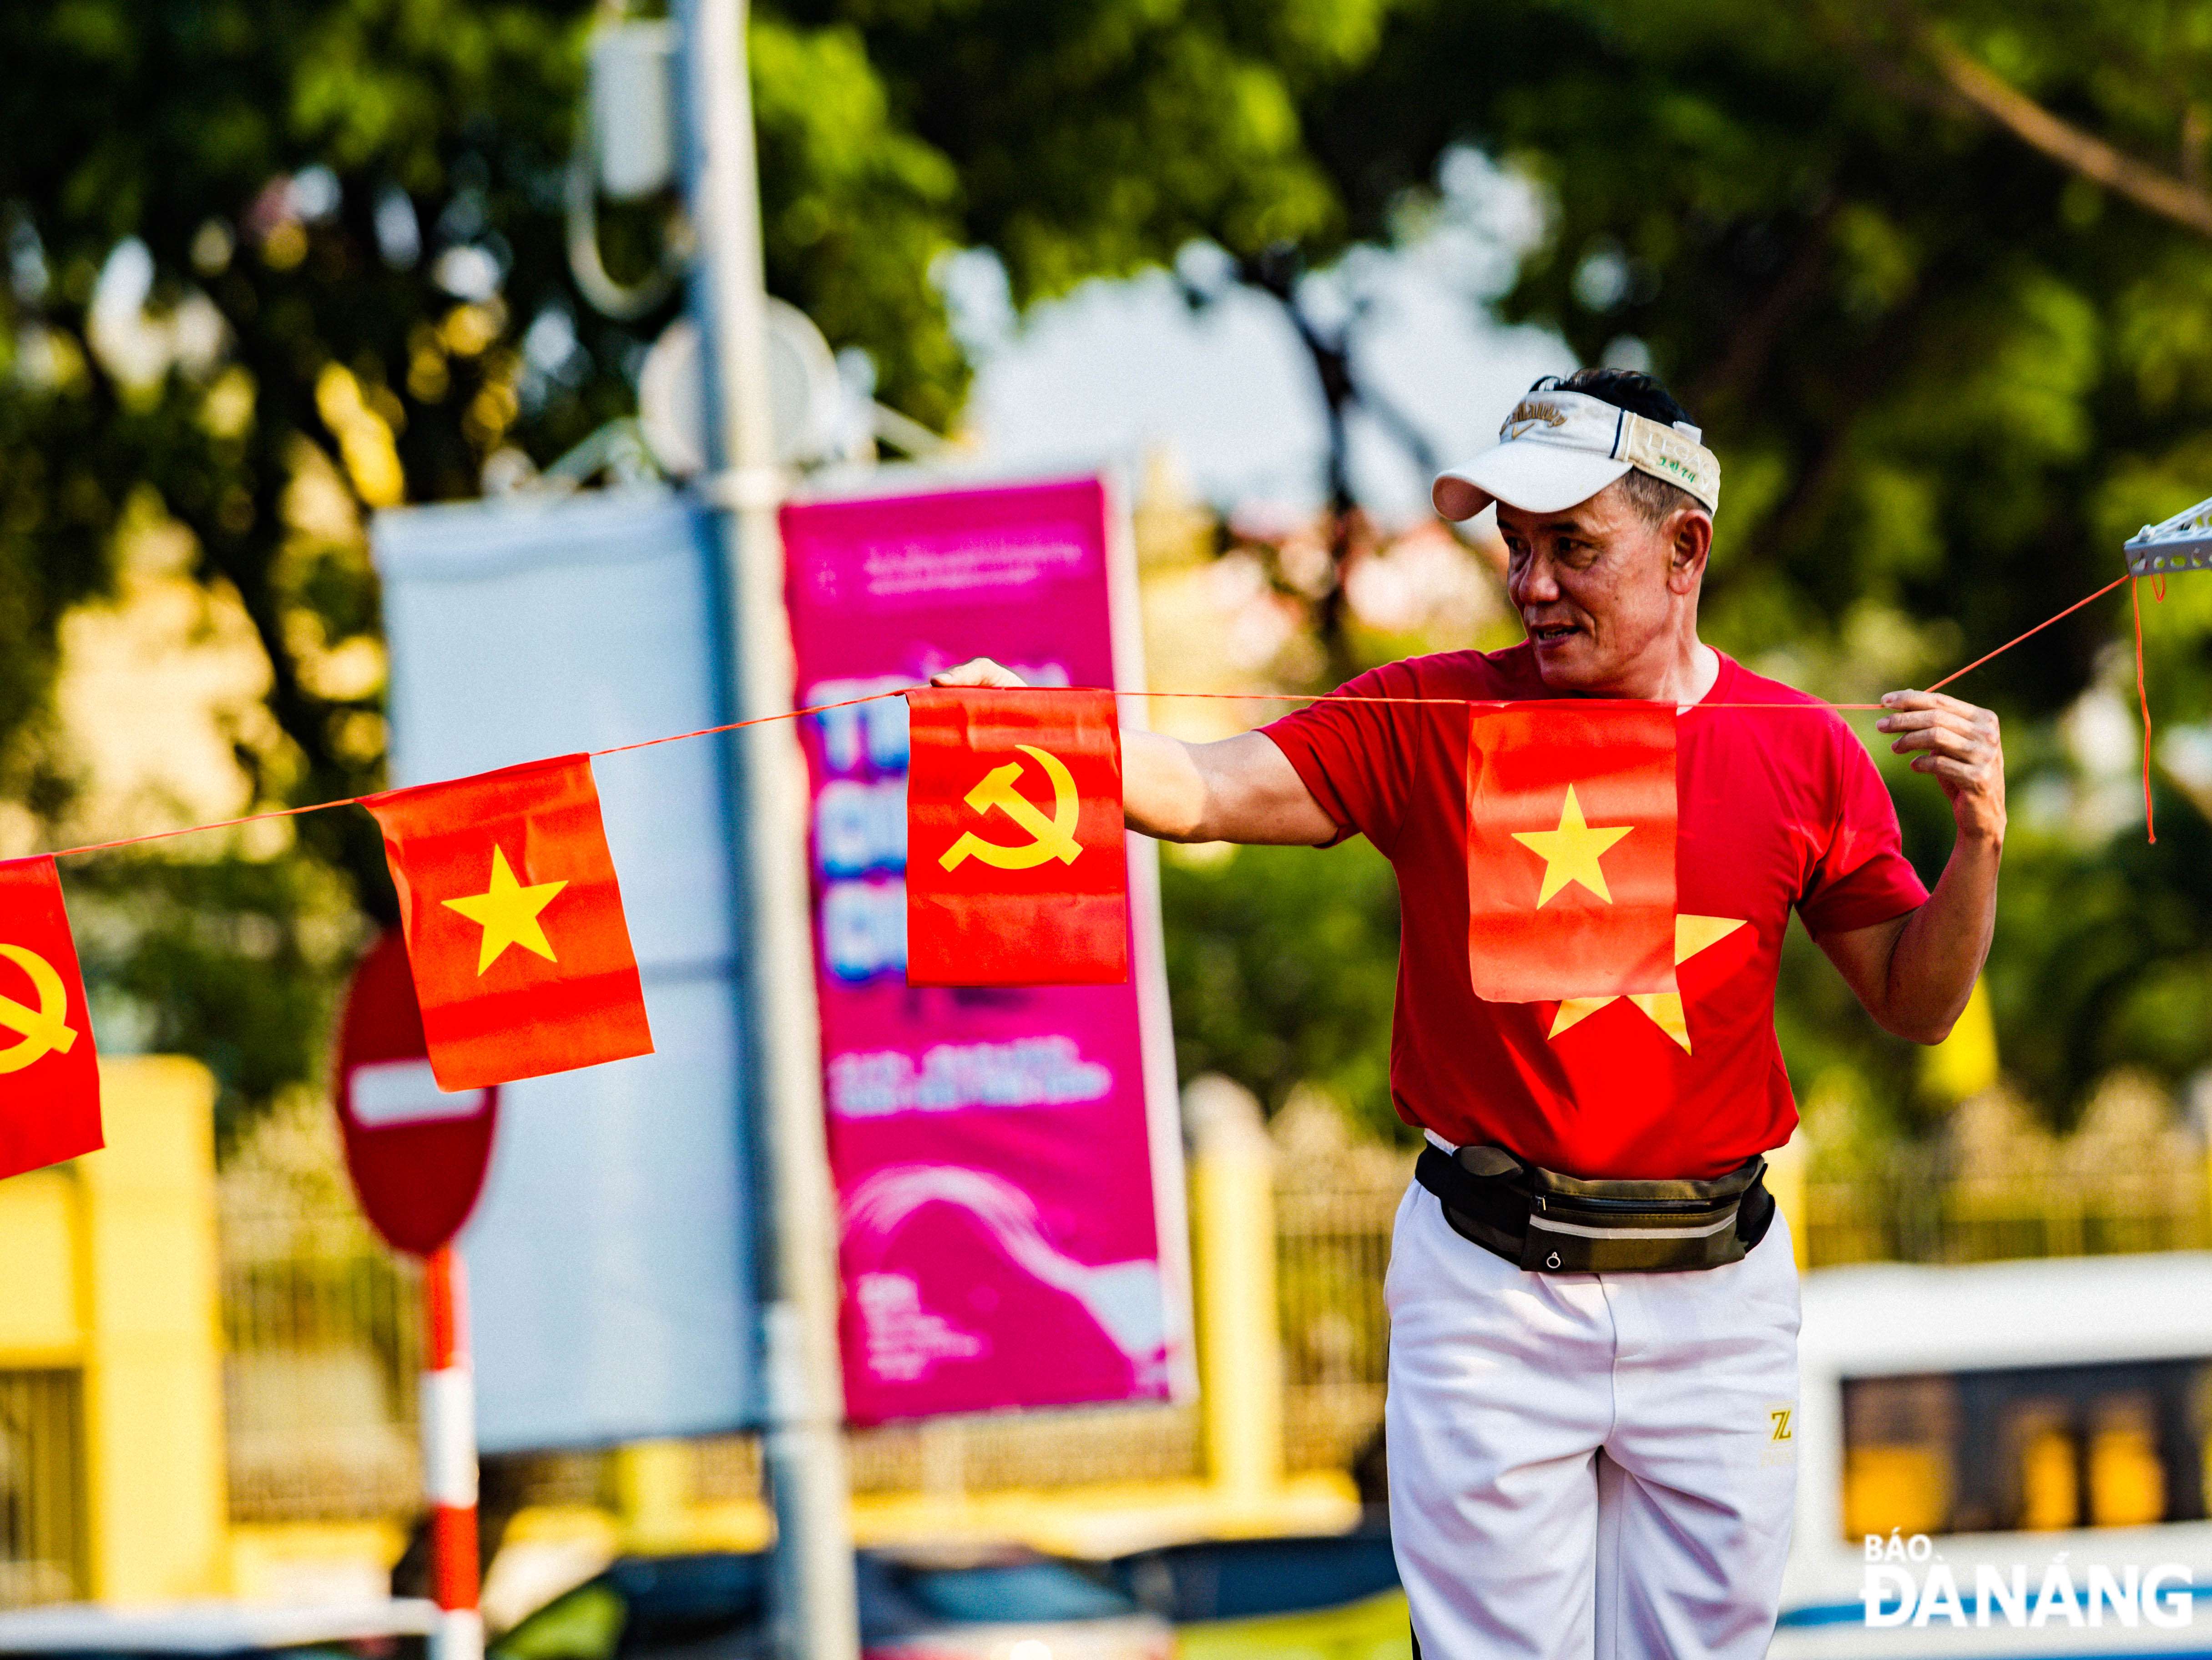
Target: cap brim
{"type": "Point", "coordinates": [1533, 476]}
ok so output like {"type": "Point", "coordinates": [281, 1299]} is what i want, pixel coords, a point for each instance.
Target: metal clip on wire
{"type": "Point", "coordinates": [2182, 542]}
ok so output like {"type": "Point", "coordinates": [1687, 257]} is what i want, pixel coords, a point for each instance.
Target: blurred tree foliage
{"type": "Point", "coordinates": [251, 246]}
{"type": "Point", "coordinates": [1952, 354]}
{"type": "Point", "coordinates": [1282, 963]}
{"type": "Point", "coordinates": [1948, 373]}
{"type": "Point", "coordinates": [1949, 376]}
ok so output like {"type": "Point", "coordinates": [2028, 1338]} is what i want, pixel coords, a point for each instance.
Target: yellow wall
{"type": "Point", "coordinates": [112, 1271]}
{"type": "Point", "coordinates": [38, 1318]}
{"type": "Point", "coordinates": [1232, 1178]}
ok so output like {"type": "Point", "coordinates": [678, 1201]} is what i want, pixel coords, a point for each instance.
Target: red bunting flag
{"type": "Point", "coordinates": [1017, 871]}
{"type": "Point", "coordinates": [514, 921]}
{"type": "Point", "coordinates": [1571, 851]}
{"type": "Point", "coordinates": [49, 1074]}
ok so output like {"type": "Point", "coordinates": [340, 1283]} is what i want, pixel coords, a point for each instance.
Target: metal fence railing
{"type": "Point", "coordinates": [1082, 1447]}
{"type": "Point", "coordinates": [1332, 1246]}
{"type": "Point", "coordinates": [321, 1348]}
{"type": "Point", "coordinates": [322, 1343]}
{"type": "Point", "coordinates": [2115, 1186]}
{"type": "Point", "coordinates": [42, 1534]}
{"type": "Point", "coordinates": [1908, 1215]}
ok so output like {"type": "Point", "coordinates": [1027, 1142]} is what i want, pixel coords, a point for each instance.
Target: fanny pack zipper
{"type": "Point", "coordinates": [1653, 1206]}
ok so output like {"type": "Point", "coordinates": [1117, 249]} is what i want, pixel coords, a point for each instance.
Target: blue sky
{"type": "Point", "coordinates": [1118, 367]}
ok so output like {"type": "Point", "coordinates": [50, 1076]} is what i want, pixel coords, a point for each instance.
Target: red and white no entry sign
{"type": "Point", "coordinates": [417, 1154]}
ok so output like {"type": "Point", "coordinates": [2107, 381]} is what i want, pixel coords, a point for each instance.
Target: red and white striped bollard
{"type": "Point", "coordinates": [449, 1458]}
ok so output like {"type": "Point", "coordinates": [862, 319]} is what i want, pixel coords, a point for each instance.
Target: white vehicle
{"type": "Point", "coordinates": [236, 1631]}
{"type": "Point", "coordinates": [2006, 1459]}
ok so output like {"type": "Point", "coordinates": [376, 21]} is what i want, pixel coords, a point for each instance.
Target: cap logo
{"type": "Point", "coordinates": [1529, 414]}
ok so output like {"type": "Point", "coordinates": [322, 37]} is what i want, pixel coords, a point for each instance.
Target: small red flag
{"type": "Point", "coordinates": [49, 1074]}
{"type": "Point", "coordinates": [1571, 851]}
{"type": "Point", "coordinates": [1017, 871]}
{"type": "Point", "coordinates": [513, 919]}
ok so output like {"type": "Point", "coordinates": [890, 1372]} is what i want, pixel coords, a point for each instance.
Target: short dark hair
{"type": "Point", "coordinates": [1643, 394]}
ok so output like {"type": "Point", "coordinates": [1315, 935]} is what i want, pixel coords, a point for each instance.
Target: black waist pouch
{"type": "Point", "coordinates": [1553, 1223]}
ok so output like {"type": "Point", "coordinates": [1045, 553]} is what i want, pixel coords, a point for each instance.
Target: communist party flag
{"type": "Point", "coordinates": [514, 922]}
{"type": "Point", "coordinates": [49, 1075]}
{"type": "Point", "coordinates": [1570, 850]}
{"type": "Point", "coordinates": [1017, 873]}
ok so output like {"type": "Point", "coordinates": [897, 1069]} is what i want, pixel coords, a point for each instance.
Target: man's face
{"type": "Point", "coordinates": [1601, 592]}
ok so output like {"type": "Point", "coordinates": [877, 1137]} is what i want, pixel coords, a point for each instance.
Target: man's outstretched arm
{"type": "Point", "coordinates": [1241, 789]}
{"type": "Point", "coordinates": [1915, 972]}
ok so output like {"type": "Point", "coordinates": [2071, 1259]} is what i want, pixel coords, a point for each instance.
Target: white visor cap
{"type": "Point", "coordinates": [1559, 448]}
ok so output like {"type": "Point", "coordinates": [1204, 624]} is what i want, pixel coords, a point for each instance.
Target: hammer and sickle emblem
{"type": "Point", "coordinates": [1050, 838]}
{"type": "Point", "coordinates": [41, 1029]}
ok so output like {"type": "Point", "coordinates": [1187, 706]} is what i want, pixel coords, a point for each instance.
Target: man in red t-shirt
{"type": "Point", "coordinates": [1594, 1455]}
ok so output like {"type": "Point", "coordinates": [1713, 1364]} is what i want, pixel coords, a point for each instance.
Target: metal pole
{"type": "Point", "coordinates": [449, 1458]}
{"type": "Point", "coordinates": [805, 1450]}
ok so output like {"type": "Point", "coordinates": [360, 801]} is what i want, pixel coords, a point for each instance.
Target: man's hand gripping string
{"type": "Point", "coordinates": [1915, 972]}
{"type": "Point", "coordinates": [1960, 746]}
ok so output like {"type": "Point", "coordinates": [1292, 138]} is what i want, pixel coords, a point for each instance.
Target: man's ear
{"type": "Point", "coordinates": [1690, 541]}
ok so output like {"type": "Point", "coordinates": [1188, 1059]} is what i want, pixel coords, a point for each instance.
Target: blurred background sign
{"type": "Point", "coordinates": [611, 1261]}
{"type": "Point", "coordinates": [804, 393]}
{"type": "Point", "coordinates": [1009, 1162]}
{"type": "Point", "coordinates": [416, 1154]}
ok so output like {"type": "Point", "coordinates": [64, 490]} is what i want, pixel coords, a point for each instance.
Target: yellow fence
{"type": "Point", "coordinates": [1332, 1244]}
{"type": "Point", "coordinates": [1908, 1215]}
{"type": "Point", "coordinates": [114, 1348]}
{"type": "Point", "coordinates": [322, 1345]}
{"type": "Point", "coordinates": [321, 1336]}
{"type": "Point", "coordinates": [42, 1534]}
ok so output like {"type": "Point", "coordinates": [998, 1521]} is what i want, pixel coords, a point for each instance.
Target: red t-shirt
{"type": "Point", "coordinates": [1776, 807]}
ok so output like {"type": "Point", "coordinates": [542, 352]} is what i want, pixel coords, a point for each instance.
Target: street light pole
{"type": "Point", "coordinates": [805, 1452]}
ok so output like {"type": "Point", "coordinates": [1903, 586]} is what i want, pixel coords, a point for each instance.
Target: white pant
{"type": "Point", "coordinates": [1588, 1467]}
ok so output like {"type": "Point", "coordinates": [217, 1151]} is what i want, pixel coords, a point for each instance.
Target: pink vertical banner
{"type": "Point", "coordinates": [1007, 1162]}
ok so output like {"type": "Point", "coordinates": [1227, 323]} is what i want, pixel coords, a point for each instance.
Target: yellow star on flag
{"type": "Point", "coordinates": [1663, 1008]}
{"type": "Point", "coordinates": [507, 913]}
{"type": "Point", "coordinates": [1570, 853]}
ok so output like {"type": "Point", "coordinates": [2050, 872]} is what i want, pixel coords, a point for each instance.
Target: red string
{"type": "Point", "coordinates": [191, 829]}
{"type": "Point", "coordinates": [1454, 702]}
{"type": "Point", "coordinates": [757, 721]}
{"type": "Point", "coordinates": [356, 800]}
{"type": "Point", "coordinates": [2017, 638]}
{"type": "Point", "coordinates": [1240, 696]}
{"type": "Point", "coordinates": [2143, 697]}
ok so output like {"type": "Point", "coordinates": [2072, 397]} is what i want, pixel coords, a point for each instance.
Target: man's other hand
{"type": "Point", "coordinates": [1915, 972]}
{"type": "Point", "coordinates": [1961, 746]}
{"type": "Point", "coordinates": [977, 671]}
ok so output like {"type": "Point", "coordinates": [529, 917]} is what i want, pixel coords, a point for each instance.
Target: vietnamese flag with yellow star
{"type": "Point", "coordinates": [1016, 869]}
{"type": "Point", "coordinates": [49, 1074]}
{"type": "Point", "coordinates": [514, 922]}
{"type": "Point", "coordinates": [1571, 851]}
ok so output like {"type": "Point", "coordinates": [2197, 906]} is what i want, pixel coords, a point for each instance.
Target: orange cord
{"type": "Point", "coordinates": [355, 800]}
{"type": "Point", "coordinates": [2143, 697]}
{"type": "Point", "coordinates": [1240, 696]}
{"type": "Point", "coordinates": [2017, 638]}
